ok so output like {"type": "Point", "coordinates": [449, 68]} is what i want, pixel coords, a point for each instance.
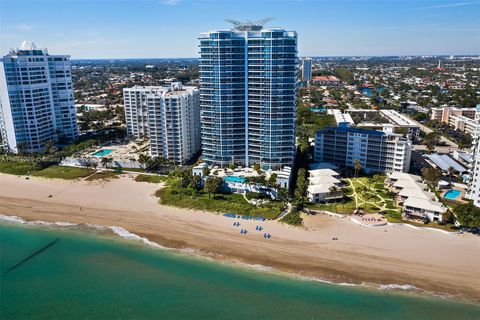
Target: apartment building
{"type": "Point", "coordinates": [247, 96]}
{"type": "Point", "coordinates": [136, 110]}
{"type": "Point", "coordinates": [328, 81]}
{"type": "Point", "coordinates": [36, 98]}
{"type": "Point", "coordinates": [306, 69]}
{"type": "Point", "coordinates": [399, 120]}
{"type": "Point", "coordinates": [474, 186]}
{"type": "Point", "coordinates": [377, 151]}
{"type": "Point", "coordinates": [342, 119]}
{"type": "Point", "coordinates": [393, 119]}
{"type": "Point", "coordinates": [168, 116]}
{"type": "Point", "coordinates": [462, 119]}
{"type": "Point", "coordinates": [443, 114]}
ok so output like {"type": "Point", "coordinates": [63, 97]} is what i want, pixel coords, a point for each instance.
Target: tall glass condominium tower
{"type": "Point", "coordinates": [247, 97]}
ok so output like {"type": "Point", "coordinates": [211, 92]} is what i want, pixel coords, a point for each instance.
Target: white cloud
{"type": "Point", "coordinates": [451, 5]}
{"type": "Point", "coordinates": [23, 27]}
{"type": "Point", "coordinates": [171, 2]}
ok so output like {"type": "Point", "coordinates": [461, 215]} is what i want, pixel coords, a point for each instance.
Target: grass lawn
{"type": "Point", "coordinates": [222, 203]}
{"type": "Point", "coordinates": [61, 172]}
{"type": "Point", "coordinates": [150, 178]}
{"type": "Point", "coordinates": [104, 175]}
{"type": "Point", "coordinates": [344, 208]}
{"type": "Point", "coordinates": [17, 168]}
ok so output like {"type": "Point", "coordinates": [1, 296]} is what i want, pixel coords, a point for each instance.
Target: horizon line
{"type": "Point", "coordinates": [306, 56]}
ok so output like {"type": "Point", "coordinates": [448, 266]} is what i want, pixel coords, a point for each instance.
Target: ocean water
{"type": "Point", "coordinates": [78, 274]}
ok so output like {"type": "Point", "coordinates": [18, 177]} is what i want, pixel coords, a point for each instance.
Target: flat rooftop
{"type": "Point", "coordinates": [444, 162]}
{"type": "Point", "coordinates": [398, 119]}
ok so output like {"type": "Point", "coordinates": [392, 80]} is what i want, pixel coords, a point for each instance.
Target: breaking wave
{"type": "Point", "coordinates": [125, 234]}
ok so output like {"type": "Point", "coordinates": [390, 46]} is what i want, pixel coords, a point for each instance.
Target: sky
{"type": "Point", "coordinates": [170, 28]}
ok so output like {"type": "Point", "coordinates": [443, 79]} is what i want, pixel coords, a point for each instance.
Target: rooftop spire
{"type": "Point", "coordinates": [249, 25]}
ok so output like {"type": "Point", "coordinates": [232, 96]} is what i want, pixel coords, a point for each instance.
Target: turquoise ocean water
{"type": "Point", "coordinates": [85, 275]}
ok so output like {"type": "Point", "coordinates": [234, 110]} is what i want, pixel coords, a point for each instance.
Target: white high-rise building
{"type": "Point", "coordinates": [377, 151]}
{"type": "Point", "coordinates": [474, 187]}
{"type": "Point", "coordinates": [36, 98]}
{"type": "Point", "coordinates": [306, 69]}
{"type": "Point", "coordinates": [169, 116]}
{"type": "Point", "coordinates": [136, 110]}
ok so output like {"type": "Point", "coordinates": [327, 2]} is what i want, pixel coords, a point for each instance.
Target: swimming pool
{"type": "Point", "coordinates": [234, 179]}
{"type": "Point", "coordinates": [102, 152]}
{"type": "Point", "coordinates": [452, 194]}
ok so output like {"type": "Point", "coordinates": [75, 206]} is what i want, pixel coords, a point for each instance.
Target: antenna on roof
{"type": "Point", "coordinates": [249, 25]}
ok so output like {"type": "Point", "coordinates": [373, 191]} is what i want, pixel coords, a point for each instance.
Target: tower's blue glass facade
{"type": "Point", "coordinates": [247, 96]}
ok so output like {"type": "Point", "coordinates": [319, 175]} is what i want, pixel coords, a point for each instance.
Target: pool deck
{"type": "Point", "coordinates": [457, 199]}
{"type": "Point", "coordinates": [102, 152]}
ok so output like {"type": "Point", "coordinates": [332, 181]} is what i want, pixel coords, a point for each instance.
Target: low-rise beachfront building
{"type": "Point", "coordinates": [242, 180]}
{"type": "Point", "coordinates": [321, 185]}
{"type": "Point", "coordinates": [199, 169]}
{"type": "Point", "coordinates": [376, 151]}
{"type": "Point", "coordinates": [424, 209]}
{"type": "Point", "coordinates": [284, 176]}
{"type": "Point", "coordinates": [415, 198]}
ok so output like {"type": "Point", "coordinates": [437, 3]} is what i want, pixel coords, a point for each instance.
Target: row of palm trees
{"type": "Point", "coordinates": [146, 162]}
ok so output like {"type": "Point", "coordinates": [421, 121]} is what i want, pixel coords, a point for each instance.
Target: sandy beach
{"type": "Point", "coordinates": [429, 260]}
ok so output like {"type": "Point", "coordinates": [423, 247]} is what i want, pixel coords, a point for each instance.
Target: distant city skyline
{"type": "Point", "coordinates": [170, 28]}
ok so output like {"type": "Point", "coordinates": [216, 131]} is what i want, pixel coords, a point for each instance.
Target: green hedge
{"type": "Point", "coordinates": [61, 172]}
{"type": "Point", "coordinates": [222, 203]}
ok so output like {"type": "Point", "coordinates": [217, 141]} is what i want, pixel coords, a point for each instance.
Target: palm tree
{"type": "Point", "coordinates": [89, 163]}
{"type": "Point", "coordinates": [213, 185]}
{"type": "Point", "coordinates": [143, 159]}
{"type": "Point", "coordinates": [357, 166]}
{"type": "Point", "coordinates": [446, 217]}
{"type": "Point", "coordinates": [451, 171]}
{"type": "Point", "coordinates": [50, 147]}
{"type": "Point", "coordinates": [334, 189]}
{"type": "Point", "coordinates": [364, 192]}
{"type": "Point", "coordinates": [106, 161]}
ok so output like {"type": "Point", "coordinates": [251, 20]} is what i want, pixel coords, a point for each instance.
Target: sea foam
{"type": "Point", "coordinates": [125, 234]}
{"type": "Point", "coordinates": [119, 231]}
{"type": "Point", "coordinates": [407, 287]}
